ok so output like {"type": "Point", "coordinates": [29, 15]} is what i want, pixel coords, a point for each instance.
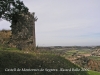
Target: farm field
{"type": "Point", "coordinates": [93, 73]}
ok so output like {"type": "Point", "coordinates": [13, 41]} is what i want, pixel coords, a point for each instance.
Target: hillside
{"type": "Point", "coordinates": [27, 63]}
{"type": "Point", "coordinates": [40, 62]}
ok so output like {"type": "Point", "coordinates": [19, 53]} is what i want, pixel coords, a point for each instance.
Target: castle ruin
{"type": "Point", "coordinates": [23, 32]}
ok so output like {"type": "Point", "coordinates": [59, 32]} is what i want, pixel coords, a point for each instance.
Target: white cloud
{"type": "Point", "coordinates": [65, 22]}
{"type": "Point", "coordinates": [4, 25]}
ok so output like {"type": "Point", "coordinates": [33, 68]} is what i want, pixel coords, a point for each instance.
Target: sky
{"type": "Point", "coordinates": [65, 22]}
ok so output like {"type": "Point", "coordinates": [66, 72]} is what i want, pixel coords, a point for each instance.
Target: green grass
{"type": "Point", "coordinates": [10, 59]}
{"type": "Point", "coordinates": [94, 57]}
{"type": "Point", "coordinates": [93, 73]}
{"type": "Point", "coordinates": [5, 47]}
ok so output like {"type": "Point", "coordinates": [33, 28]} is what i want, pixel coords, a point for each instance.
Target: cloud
{"type": "Point", "coordinates": [4, 25]}
{"type": "Point", "coordinates": [67, 22]}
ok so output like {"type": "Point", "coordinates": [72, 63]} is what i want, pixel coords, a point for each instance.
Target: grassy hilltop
{"type": "Point", "coordinates": [49, 64]}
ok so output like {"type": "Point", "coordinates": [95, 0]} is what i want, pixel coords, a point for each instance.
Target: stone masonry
{"type": "Point", "coordinates": [23, 32]}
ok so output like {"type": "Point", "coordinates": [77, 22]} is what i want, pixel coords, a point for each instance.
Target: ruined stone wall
{"type": "Point", "coordinates": [23, 32]}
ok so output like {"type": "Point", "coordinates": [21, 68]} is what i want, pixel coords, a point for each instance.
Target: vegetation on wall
{"type": "Point", "coordinates": [22, 22]}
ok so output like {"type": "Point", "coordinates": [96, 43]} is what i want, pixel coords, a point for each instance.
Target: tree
{"type": "Point", "coordinates": [22, 23]}
{"type": "Point", "coordinates": [11, 9]}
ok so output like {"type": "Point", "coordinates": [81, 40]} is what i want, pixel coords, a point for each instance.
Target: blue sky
{"type": "Point", "coordinates": [65, 22]}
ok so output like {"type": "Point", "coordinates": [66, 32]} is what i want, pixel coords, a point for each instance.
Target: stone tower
{"type": "Point", "coordinates": [23, 32]}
